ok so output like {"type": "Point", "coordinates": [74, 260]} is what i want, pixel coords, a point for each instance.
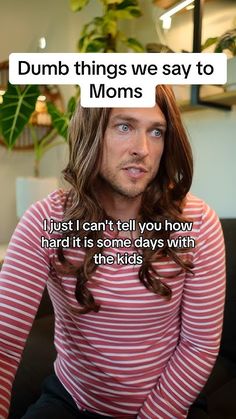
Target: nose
{"type": "Point", "coordinates": [139, 145]}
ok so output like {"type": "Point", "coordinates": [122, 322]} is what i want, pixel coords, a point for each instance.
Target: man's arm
{"type": "Point", "coordinates": [202, 314]}
{"type": "Point", "coordinates": [22, 281]}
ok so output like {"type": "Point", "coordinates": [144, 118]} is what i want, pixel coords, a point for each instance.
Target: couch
{"type": "Point", "coordinates": [218, 399]}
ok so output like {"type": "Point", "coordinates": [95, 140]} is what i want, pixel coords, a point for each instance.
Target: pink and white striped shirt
{"type": "Point", "coordinates": [140, 356]}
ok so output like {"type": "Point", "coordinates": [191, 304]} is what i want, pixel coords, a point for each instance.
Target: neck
{"type": "Point", "coordinates": [123, 209]}
{"type": "Point", "coordinates": [120, 207]}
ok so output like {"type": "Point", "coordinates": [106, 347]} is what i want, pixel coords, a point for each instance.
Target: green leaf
{"type": "Point", "coordinates": [81, 43]}
{"type": "Point", "coordinates": [93, 42]}
{"type": "Point", "coordinates": [96, 45]}
{"type": "Point", "coordinates": [209, 42]}
{"type": "Point", "coordinates": [128, 13]}
{"type": "Point", "coordinates": [71, 106]}
{"type": "Point", "coordinates": [90, 31]}
{"type": "Point", "coordinates": [98, 21]}
{"type": "Point", "coordinates": [134, 45]}
{"type": "Point", "coordinates": [16, 111]}
{"type": "Point", "coordinates": [77, 5]}
{"type": "Point", "coordinates": [60, 120]}
{"type": "Point", "coordinates": [127, 3]}
{"type": "Point", "coordinates": [85, 29]}
{"type": "Point", "coordinates": [0, 120]}
{"type": "Point", "coordinates": [160, 48]}
{"type": "Point", "coordinates": [113, 1]}
{"type": "Point", "coordinates": [226, 43]}
{"type": "Point", "coordinates": [110, 27]}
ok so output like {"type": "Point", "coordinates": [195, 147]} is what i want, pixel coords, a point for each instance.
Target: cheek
{"type": "Point", "coordinates": [113, 150]}
{"type": "Point", "coordinates": [157, 152]}
{"type": "Point", "coordinates": [109, 156]}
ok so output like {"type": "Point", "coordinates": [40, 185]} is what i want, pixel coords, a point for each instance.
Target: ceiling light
{"type": "Point", "coordinates": [166, 23]}
{"type": "Point", "coordinates": [175, 9]}
{"type": "Point", "coordinates": [42, 43]}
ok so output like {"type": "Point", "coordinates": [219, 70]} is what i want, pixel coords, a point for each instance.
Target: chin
{"type": "Point", "coordinates": [127, 189]}
{"type": "Point", "coordinates": [128, 192]}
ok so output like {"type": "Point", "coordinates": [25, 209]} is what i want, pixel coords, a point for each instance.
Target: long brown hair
{"type": "Point", "coordinates": [163, 198]}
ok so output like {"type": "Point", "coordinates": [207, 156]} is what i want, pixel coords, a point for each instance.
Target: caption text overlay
{"type": "Point", "coordinates": [105, 79]}
{"type": "Point", "coordinates": [135, 243]}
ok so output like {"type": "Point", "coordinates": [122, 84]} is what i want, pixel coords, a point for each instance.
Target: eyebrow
{"type": "Point", "coordinates": [127, 118]}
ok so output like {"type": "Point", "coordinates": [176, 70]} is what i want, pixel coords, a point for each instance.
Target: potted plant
{"type": "Point", "coordinates": [18, 112]}
{"type": "Point", "coordinates": [226, 43]}
{"type": "Point", "coordinates": [102, 33]}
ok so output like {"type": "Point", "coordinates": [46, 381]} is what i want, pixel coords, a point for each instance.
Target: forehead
{"type": "Point", "coordinates": [140, 115]}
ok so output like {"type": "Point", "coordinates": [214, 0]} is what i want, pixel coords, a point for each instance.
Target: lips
{"type": "Point", "coordinates": [136, 169]}
{"type": "Point", "coordinates": [135, 172]}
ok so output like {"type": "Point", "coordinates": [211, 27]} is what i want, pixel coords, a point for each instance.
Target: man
{"type": "Point", "coordinates": [132, 340]}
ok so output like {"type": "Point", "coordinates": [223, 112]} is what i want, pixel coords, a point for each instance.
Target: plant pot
{"type": "Point", "coordinates": [32, 189]}
{"type": "Point", "coordinates": [231, 74]}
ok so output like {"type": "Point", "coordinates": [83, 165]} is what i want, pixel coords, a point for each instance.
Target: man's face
{"type": "Point", "coordinates": [132, 150]}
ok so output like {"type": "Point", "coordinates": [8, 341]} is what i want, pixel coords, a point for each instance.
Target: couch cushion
{"type": "Point", "coordinates": [228, 342]}
{"type": "Point", "coordinates": [36, 364]}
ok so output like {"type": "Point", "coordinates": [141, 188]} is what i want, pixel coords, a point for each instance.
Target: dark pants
{"type": "Point", "coordinates": [56, 403]}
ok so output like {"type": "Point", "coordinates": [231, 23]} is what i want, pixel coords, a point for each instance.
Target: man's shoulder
{"type": "Point", "coordinates": [194, 203]}
{"type": "Point", "coordinates": [57, 198]}
{"type": "Point", "coordinates": [56, 202]}
{"type": "Point", "coordinates": [52, 206]}
{"type": "Point", "coordinates": [199, 211]}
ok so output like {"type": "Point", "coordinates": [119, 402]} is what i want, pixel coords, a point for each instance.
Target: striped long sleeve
{"type": "Point", "coordinates": [140, 356]}
{"type": "Point", "coordinates": [201, 324]}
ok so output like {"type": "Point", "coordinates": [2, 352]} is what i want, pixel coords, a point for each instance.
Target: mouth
{"type": "Point", "coordinates": [135, 168]}
{"type": "Point", "coordinates": [135, 171]}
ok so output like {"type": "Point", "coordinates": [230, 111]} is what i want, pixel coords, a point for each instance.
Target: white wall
{"type": "Point", "coordinates": [22, 24]}
{"type": "Point", "coordinates": [212, 132]}
{"type": "Point", "coordinates": [213, 140]}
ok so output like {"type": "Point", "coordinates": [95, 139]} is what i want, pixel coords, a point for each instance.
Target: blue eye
{"type": "Point", "coordinates": [157, 133]}
{"type": "Point", "coordinates": [123, 127]}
